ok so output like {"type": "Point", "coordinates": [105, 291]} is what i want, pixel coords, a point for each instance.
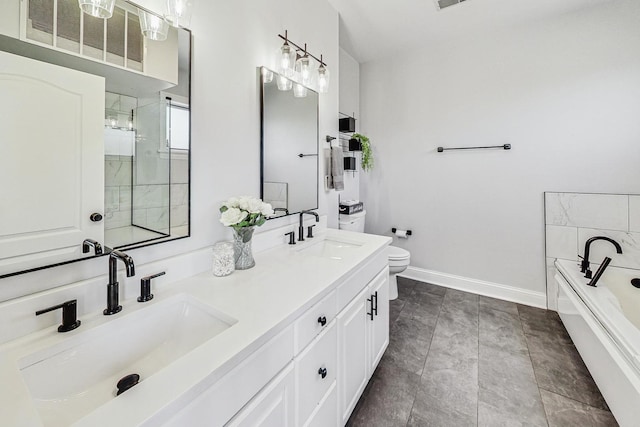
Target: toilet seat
{"type": "Point", "coordinates": [398, 254]}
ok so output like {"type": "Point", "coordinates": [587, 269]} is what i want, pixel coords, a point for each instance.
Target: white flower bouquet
{"type": "Point", "coordinates": [242, 212]}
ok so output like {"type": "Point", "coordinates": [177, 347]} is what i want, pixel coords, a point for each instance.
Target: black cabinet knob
{"type": "Point", "coordinates": [322, 320]}
{"type": "Point", "coordinates": [322, 372]}
{"type": "Point", "coordinates": [95, 217]}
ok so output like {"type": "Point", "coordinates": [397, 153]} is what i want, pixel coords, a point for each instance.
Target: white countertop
{"type": "Point", "coordinates": [264, 300]}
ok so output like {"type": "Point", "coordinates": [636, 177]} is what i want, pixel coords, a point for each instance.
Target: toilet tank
{"type": "Point", "coordinates": [353, 222]}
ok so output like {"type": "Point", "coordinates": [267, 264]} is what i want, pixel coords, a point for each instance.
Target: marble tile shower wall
{"type": "Point", "coordinates": [572, 218]}
{"type": "Point", "coordinates": [117, 194]}
{"type": "Point", "coordinates": [150, 201]}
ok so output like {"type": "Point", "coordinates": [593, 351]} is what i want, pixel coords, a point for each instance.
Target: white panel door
{"type": "Point", "coordinates": [379, 288]}
{"type": "Point", "coordinates": [51, 121]}
{"type": "Point", "coordinates": [353, 366]}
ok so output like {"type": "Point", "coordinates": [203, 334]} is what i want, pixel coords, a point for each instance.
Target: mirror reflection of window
{"type": "Point", "coordinates": [178, 127]}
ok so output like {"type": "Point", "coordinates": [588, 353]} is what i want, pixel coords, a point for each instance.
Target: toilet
{"type": "Point", "coordinates": [398, 258]}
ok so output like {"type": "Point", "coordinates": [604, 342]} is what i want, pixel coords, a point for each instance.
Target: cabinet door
{"type": "Point", "coordinates": [379, 328]}
{"type": "Point", "coordinates": [353, 366]}
{"type": "Point", "coordinates": [53, 125]}
{"type": "Point", "coordinates": [272, 407]}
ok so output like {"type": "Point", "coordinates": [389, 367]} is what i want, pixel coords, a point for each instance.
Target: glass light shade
{"type": "Point", "coordinates": [299, 91]}
{"type": "Point", "coordinates": [323, 79]}
{"type": "Point", "coordinates": [97, 8]}
{"type": "Point", "coordinates": [283, 83]}
{"type": "Point", "coordinates": [153, 27]}
{"type": "Point", "coordinates": [286, 60]}
{"type": "Point", "coordinates": [267, 75]}
{"type": "Point", "coordinates": [303, 68]}
{"type": "Point", "coordinates": [179, 13]}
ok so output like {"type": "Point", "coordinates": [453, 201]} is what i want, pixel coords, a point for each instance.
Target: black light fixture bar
{"type": "Point", "coordinates": [288, 40]}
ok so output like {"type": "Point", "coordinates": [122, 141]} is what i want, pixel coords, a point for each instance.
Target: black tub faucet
{"type": "Point", "coordinates": [584, 266]}
{"type": "Point", "coordinates": [301, 227]}
{"type": "Point", "coordinates": [113, 298]}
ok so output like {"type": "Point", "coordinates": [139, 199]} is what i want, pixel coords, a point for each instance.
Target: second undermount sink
{"type": "Point", "coordinates": [69, 380]}
{"type": "Point", "coordinates": [331, 248]}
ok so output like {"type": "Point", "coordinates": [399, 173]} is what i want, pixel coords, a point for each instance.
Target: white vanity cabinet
{"type": "Point", "coordinates": [363, 336]}
{"type": "Point", "coordinates": [312, 374]}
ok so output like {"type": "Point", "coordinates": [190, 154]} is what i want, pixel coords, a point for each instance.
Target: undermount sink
{"type": "Point", "coordinates": [71, 379]}
{"type": "Point", "coordinates": [332, 249]}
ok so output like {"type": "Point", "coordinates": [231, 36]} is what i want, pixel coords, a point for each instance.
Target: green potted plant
{"type": "Point", "coordinates": [367, 154]}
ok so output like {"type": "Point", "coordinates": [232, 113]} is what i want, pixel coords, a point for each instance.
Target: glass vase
{"type": "Point", "coordinates": [242, 248]}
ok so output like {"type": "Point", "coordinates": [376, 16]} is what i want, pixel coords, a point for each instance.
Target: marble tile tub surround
{"type": "Point", "coordinates": [17, 315]}
{"type": "Point", "coordinates": [572, 218]}
{"type": "Point", "coordinates": [459, 359]}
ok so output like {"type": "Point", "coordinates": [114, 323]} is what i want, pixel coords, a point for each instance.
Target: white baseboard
{"type": "Point", "coordinates": [489, 289]}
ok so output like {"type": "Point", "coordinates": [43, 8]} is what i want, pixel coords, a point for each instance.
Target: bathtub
{"type": "Point", "coordinates": [604, 324]}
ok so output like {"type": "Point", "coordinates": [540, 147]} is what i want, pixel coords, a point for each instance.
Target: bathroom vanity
{"type": "Point", "coordinates": [291, 342]}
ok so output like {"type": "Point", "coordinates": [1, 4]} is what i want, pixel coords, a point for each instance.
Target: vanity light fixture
{"type": "Point", "coordinates": [283, 83]}
{"type": "Point", "coordinates": [287, 58]}
{"type": "Point", "coordinates": [303, 67]}
{"type": "Point", "coordinates": [98, 8]}
{"type": "Point", "coordinates": [267, 75]}
{"type": "Point", "coordinates": [323, 77]}
{"type": "Point", "coordinates": [153, 27]}
{"type": "Point", "coordinates": [179, 13]}
{"type": "Point", "coordinates": [299, 91]}
{"type": "Point", "coordinates": [300, 65]}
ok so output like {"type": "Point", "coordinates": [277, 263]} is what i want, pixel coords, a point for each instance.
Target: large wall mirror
{"type": "Point", "coordinates": [289, 144]}
{"type": "Point", "coordinates": [95, 140]}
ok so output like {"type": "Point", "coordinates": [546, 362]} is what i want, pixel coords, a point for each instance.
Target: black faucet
{"type": "Point", "coordinates": [585, 261]}
{"type": "Point", "coordinates": [113, 305]}
{"type": "Point", "coordinates": [301, 227]}
{"type": "Point", "coordinates": [90, 243]}
{"type": "Point", "coordinates": [600, 272]}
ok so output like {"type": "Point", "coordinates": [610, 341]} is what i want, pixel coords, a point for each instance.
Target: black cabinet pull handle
{"type": "Point", "coordinates": [322, 320]}
{"type": "Point", "coordinates": [322, 372]}
{"type": "Point", "coordinates": [375, 308]}
{"type": "Point", "coordinates": [370, 300]}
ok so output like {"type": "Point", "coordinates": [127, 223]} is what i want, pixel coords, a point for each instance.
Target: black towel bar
{"type": "Point", "coordinates": [504, 147]}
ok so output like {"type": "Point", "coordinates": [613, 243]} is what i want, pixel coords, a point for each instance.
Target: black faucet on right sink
{"type": "Point", "coordinates": [301, 227]}
{"type": "Point", "coordinates": [585, 261]}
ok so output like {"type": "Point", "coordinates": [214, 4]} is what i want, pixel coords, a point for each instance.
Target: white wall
{"type": "Point", "coordinates": [564, 92]}
{"type": "Point", "coordinates": [230, 39]}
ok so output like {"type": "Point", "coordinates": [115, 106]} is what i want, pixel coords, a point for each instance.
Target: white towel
{"type": "Point", "coordinates": [337, 168]}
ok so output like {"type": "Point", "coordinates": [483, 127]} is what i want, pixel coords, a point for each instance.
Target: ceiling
{"type": "Point", "coordinates": [371, 29]}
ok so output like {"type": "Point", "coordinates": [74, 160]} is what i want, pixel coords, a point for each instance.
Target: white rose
{"type": "Point", "coordinates": [254, 205]}
{"type": "Point", "coordinates": [231, 203]}
{"type": "Point", "coordinates": [232, 216]}
{"type": "Point", "coordinates": [266, 209]}
{"type": "Point", "coordinates": [243, 203]}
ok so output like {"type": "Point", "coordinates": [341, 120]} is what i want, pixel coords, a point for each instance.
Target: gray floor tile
{"type": "Point", "coordinates": [428, 288]}
{"type": "Point", "coordinates": [536, 321]}
{"type": "Point", "coordinates": [502, 330]}
{"type": "Point", "coordinates": [498, 304]}
{"type": "Point", "coordinates": [406, 352]}
{"type": "Point", "coordinates": [389, 400]}
{"type": "Point", "coordinates": [456, 359]}
{"type": "Point", "coordinates": [425, 310]}
{"type": "Point", "coordinates": [562, 412]}
{"type": "Point", "coordinates": [395, 307]}
{"type": "Point", "coordinates": [508, 393]}
{"type": "Point", "coordinates": [405, 287]}
{"type": "Point", "coordinates": [436, 417]}
{"type": "Point", "coordinates": [560, 369]}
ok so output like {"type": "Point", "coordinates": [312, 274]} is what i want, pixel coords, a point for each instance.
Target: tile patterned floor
{"type": "Point", "coordinates": [459, 359]}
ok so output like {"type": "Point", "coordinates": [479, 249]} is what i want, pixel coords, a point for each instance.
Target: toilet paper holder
{"type": "Point", "coordinates": [393, 230]}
